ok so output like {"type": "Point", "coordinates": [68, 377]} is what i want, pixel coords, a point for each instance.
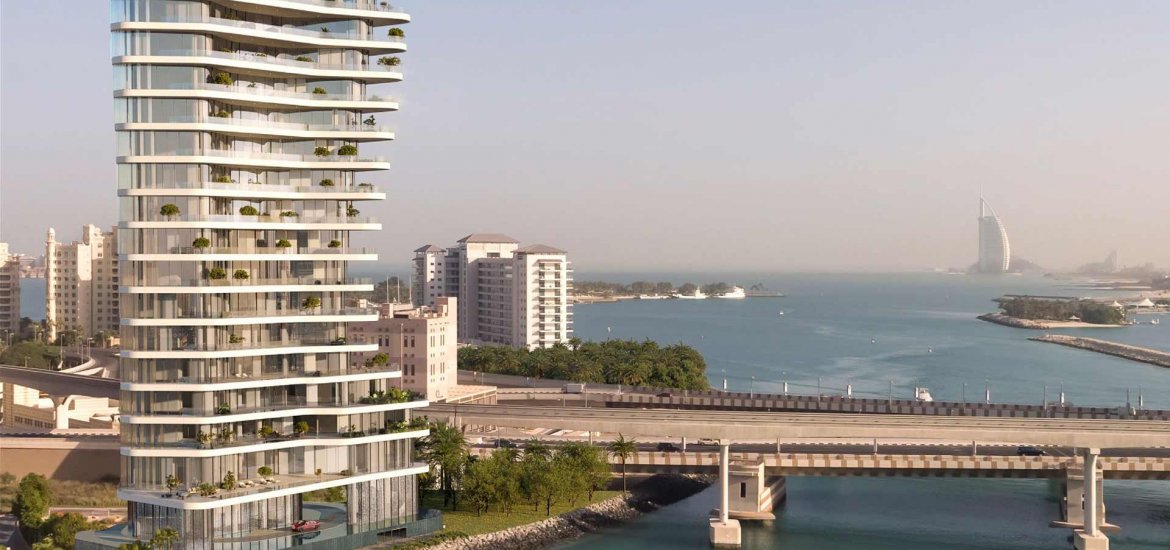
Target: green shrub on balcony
{"type": "Point", "coordinates": [351, 211]}
{"type": "Point", "coordinates": [301, 428]}
{"type": "Point", "coordinates": [378, 360]}
{"type": "Point", "coordinates": [347, 150]}
{"type": "Point", "coordinates": [216, 273]}
{"type": "Point", "coordinates": [389, 61]}
{"type": "Point", "coordinates": [234, 339]}
{"type": "Point", "coordinates": [335, 243]}
{"type": "Point", "coordinates": [248, 210]}
{"type": "Point", "coordinates": [392, 395]}
{"type": "Point", "coordinates": [223, 179]}
{"type": "Point", "coordinates": [312, 302]}
{"type": "Point", "coordinates": [169, 210]}
{"type": "Point", "coordinates": [264, 471]}
{"type": "Point", "coordinates": [204, 439]}
{"type": "Point", "coordinates": [224, 408]}
{"type": "Point", "coordinates": [396, 32]}
{"type": "Point", "coordinates": [326, 182]}
{"type": "Point", "coordinates": [283, 243]}
{"type": "Point", "coordinates": [319, 90]}
{"type": "Point", "coordinates": [223, 78]}
{"type": "Point", "coordinates": [201, 243]}
{"type": "Point", "coordinates": [240, 275]}
{"type": "Point", "coordinates": [222, 114]}
{"type": "Point", "coordinates": [207, 489]}
{"type": "Point", "coordinates": [225, 434]}
{"type": "Point", "coordinates": [266, 431]}
{"type": "Point", "coordinates": [229, 481]}
{"type": "Point", "coordinates": [304, 58]}
{"type": "Point", "coordinates": [288, 214]}
{"type": "Point", "coordinates": [324, 29]}
{"type": "Point", "coordinates": [322, 152]}
{"type": "Point", "coordinates": [364, 185]}
{"type": "Point", "coordinates": [172, 482]}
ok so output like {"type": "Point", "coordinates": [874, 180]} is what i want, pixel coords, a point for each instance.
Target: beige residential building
{"type": "Point", "coordinates": [508, 294]}
{"type": "Point", "coordinates": [9, 293]}
{"type": "Point", "coordinates": [81, 283]}
{"type": "Point", "coordinates": [422, 341]}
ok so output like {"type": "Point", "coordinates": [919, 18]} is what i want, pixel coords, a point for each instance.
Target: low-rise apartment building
{"type": "Point", "coordinates": [422, 341]}
{"type": "Point", "coordinates": [81, 283]}
{"type": "Point", "coordinates": [9, 293]}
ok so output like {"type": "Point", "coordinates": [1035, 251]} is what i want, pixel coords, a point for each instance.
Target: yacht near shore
{"type": "Point", "coordinates": [736, 293]}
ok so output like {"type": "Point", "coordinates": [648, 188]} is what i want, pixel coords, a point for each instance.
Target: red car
{"type": "Point", "coordinates": [306, 525]}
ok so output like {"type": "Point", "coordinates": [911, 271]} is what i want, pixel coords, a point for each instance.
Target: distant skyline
{"type": "Point", "coordinates": [667, 136]}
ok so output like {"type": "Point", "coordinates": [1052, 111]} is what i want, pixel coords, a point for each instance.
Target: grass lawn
{"type": "Point", "coordinates": [465, 520]}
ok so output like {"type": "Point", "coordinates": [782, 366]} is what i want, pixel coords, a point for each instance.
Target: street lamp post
{"type": "Point", "coordinates": [784, 377]}
{"type": "Point", "coordinates": [752, 389]}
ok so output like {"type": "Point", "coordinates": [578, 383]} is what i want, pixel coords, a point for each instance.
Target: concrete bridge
{"type": "Point", "coordinates": [1083, 474]}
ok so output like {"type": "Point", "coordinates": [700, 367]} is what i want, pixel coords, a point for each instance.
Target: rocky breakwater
{"type": "Point", "coordinates": [1125, 351]}
{"type": "Point", "coordinates": [646, 497]}
{"type": "Point", "coordinates": [1009, 321]}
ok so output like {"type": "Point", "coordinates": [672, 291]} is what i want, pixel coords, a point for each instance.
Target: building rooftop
{"type": "Point", "coordinates": [429, 248]}
{"type": "Point", "coordinates": [488, 238]}
{"type": "Point", "coordinates": [539, 249]}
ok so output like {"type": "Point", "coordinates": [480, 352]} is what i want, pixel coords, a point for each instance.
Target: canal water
{"type": "Point", "coordinates": [869, 331]}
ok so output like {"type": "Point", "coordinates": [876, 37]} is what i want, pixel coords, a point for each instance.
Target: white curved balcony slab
{"type": "Point", "coordinates": [248, 127]}
{"type": "Point", "coordinates": [260, 192]}
{"type": "Point", "coordinates": [304, 441]}
{"type": "Point", "coordinates": [247, 352]}
{"type": "Point", "coordinates": [253, 320]}
{"type": "Point", "coordinates": [343, 223]}
{"type": "Point", "coordinates": [276, 412]}
{"type": "Point", "coordinates": [200, 286]}
{"type": "Point", "coordinates": [244, 95]}
{"type": "Point", "coordinates": [253, 159]}
{"type": "Point", "coordinates": [281, 35]}
{"type": "Point", "coordinates": [382, 13]}
{"type": "Point", "coordinates": [268, 65]}
{"type": "Point", "coordinates": [226, 254]}
{"type": "Point", "coordinates": [357, 375]}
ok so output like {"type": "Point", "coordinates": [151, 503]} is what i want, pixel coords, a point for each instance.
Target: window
{"type": "Point", "coordinates": [743, 490]}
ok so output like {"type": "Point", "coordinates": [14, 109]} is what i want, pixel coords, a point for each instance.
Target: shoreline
{"type": "Point", "coordinates": [1124, 351]}
{"type": "Point", "coordinates": [647, 496]}
{"type": "Point", "coordinates": [1016, 322]}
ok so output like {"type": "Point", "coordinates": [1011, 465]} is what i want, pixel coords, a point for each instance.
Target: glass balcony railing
{"type": "Point", "coordinates": [244, 374]}
{"type": "Point", "coordinates": [258, 155]}
{"type": "Point", "coordinates": [290, 62]}
{"type": "Point", "coordinates": [259, 123]}
{"type": "Point", "coordinates": [266, 27]}
{"type": "Point", "coordinates": [271, 218]}
{"type": "Point", "coordinates": [268, 92]}
{"type": "Point", "coordinates": [249, 313]}
{"type": "Point", "coordinates": [228, 346]}
{"type": "Point", "coordinates": [176, 281]}
{"type": "Point", "coordinates": [266, 187]}
{"type": "Point", "coordinates": [274, 406]}
{"type": "Point", "coordinates": [260, 250]}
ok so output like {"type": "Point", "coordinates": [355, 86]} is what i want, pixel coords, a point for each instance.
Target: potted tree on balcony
{"type": "Point", "coordinates": [389, 61]}
{"type": "Point", "coordinates": [352, 212]}
{"type": "Point", "coordinates": [240, 275]}
{"type": "Point", "coordinates": [319, 90]}
{"type": "Point", "coordinates": [204, 439]}
{"type": "Point", "coordinates": [322, 152]}
{"type": "Point", "coordinates": [396, 32]}
{"type": "Point", "coordinates": [347, 150]}
{"type": "Point", "coordinates": [334, 243]}
{"type": "Point", "coordinates": [229, 481]}
{"type": "Point", "coordinates": [223, 79]}
{"type": "Point", "coordinates": [172, 482]}
{"type": "Point", "coordinates": [311, 303]}
{"type": "Point", "coordinates": [301, 428]}
{"type": "Point", "coordinates": [326, 182]}
{"type": "Point", "coordinates": [217, 273]}
{"type": "Point", "coordinates": [283, 243]}
{"type": "Point", "coordinates": [200, 243]}
{"type": "Point", "coordinates": [169, 210]}
{"type": "Point", "coordinates": [249, 210]}
{"type": "Point", "coordinates": [264, 471]}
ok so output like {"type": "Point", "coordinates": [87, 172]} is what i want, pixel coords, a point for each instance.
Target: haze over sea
{"type": "Point", "coordinates": [924, 331]}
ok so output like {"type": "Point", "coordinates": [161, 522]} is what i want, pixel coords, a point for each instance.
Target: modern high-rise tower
{"type": "Point", "coordinates": [995, 254]}
{"type": "Point", "coordinates": [241, 135]}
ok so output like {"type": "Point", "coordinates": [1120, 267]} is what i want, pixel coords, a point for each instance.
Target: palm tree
{"type": "Point", "coordinates": [621, 449]}
{"type": "Point", "coordinates": [164, 538]}
{"type": "Point", "coordinates": [445, 449]}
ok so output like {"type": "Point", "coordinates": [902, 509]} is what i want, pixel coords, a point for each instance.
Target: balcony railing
{"type": "Point", "coordinates": [161, 280]}
{"type": "Point", "coordinates": [228, 346]}
{"type": "Point", "coordinates": [276, 251]}
{"type": "Point", "coordinates": [282, 405]}
{"type": "Point", "coordinates": [265, 27]}
{"type": "Point", "coordinates": [265, 59]}
{"type": "Point", "coordinates": [238, 218]}
{"type": "Point", "coordinates": [268, 92]}
{"type": "Point", "coordinates": [257, 155]}
{"type": "Point", "coordinates": [265, 187]}
{"type": "Point", "coordinates": [261, 123]}
{"type": "Point", "coordinates": [241, 374]}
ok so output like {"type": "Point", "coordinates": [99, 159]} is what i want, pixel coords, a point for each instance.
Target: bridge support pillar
{"type": "Point", "coordinates": [724, 531]}
{"type": "Point", "coordinates": [1091, 537]}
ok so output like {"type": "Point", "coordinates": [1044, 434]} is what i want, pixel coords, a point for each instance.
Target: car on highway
{"type": "Point", "coordinates": [665, 394]}
{"type": "Point", "coordinates": [505, 444]}
{"type": "Point", "coordinates": [1029, 450]}
{"type": "Point", "coordinates": [306, 525]}
{"type": "Point", "coordinates": [707, 441]}
{"type": "Point", "coordinates": [666, 447]}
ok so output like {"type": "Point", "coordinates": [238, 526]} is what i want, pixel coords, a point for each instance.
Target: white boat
{"type": "Point", "coordinates": [652, 297]}
{"type": "Point", "coordinates": [923, 395]}
{"type": "Point", "coordinates": [736, 293]}
{"type": "Point", "coordinates": [1155, 321]}
{"type": "Point", "coordinates": [698, 295]}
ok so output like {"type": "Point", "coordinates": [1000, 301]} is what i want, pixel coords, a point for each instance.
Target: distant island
{"type": "Point", "coordinates": [609, 291]}
{"type": "Point", "coordinates": [1044, 312]}
{"type": "Point", "coordinates": [610, 362]}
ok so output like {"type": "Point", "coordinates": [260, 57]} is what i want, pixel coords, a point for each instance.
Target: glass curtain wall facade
{"type": "Point", "coordinates": [242, 128]}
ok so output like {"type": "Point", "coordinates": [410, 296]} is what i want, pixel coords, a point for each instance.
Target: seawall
{"type": "Point", "coordinates": [653, 493]}
{"type": "Point", "coordinates": [1125, 351]}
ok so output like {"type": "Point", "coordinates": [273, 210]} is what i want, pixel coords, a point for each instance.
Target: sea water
{"type": "Point", "coordinates": [871, 332]}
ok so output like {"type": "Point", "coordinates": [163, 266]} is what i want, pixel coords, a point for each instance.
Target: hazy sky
{"type": "Point", "coordinates": [671, 135]}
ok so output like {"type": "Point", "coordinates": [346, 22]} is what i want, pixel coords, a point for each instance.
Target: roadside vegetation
{"type": "Point", "coordinates": [67, 494]}
{"type": "Point", "coordinates": [30, 501]}
{"type": "Point", "coordinates": [1050, 309]}
{"type": "Point", "coordinates": [511, 487]}
{"type": "Point", "coordinates": [626, 362]}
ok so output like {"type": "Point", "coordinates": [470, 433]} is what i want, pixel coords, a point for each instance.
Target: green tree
{"type": "Point", "coordinates": [688, 288]}
{"type": "Point", "coordinates": [479, 485]}
{"type": "Point", "coordinates": [164, 538]}
{"type": "Point", "coordinates": [31, 505]}
{"type": "Point", "coordinates": [622, 449]}
{"type": "Point", "coordinates": [589, 467]}
{"type": "Point", "coordinates": [64, 528]}
{"type": "Point", "coordinates": [445, 450]}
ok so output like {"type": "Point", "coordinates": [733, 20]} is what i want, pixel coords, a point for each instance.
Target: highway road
{"type": "Point", "coordinates": [743, 425]}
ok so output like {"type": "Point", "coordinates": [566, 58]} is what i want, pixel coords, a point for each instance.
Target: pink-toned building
{"type": "Point", "coordinates": [423, 341]}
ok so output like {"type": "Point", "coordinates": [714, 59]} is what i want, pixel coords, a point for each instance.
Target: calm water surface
{"type": "Point", "coordinates": [869, 330]}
